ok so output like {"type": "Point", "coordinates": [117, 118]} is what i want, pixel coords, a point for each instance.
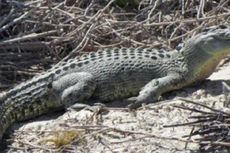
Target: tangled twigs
{"type": "Point", "coordinates": [91, 21]}
{"type": "Point", "coordinates": [101, 131]}
{"type": "Point", "coordinates": [213, 126]}
{"type": "Point", "coordinates": [15, 21]}
{"type": "Point", "coordinates": [28, 37]}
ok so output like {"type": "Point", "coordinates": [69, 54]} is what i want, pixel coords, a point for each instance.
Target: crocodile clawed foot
{"type": "Point", "coordinates": [134, 106]}
{"type": "Point", "coordinates": [98, 108]}
{"type": "Point", "coordinates": [99, 104]}
{"type": "Point", "coordinates": [134, 103]}
{"type": "Point", "coordinates": [78, 107]}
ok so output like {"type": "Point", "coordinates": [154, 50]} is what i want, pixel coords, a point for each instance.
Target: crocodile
{"type": "Point", "coordinates": [116, 74]}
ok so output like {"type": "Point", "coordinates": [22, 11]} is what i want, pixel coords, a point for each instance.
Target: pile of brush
{"type": "Point", "coordinates": [212, 126]}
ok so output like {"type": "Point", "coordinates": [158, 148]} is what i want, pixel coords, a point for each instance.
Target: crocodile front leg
{"type": "Point", "coordinates": [152, 90]}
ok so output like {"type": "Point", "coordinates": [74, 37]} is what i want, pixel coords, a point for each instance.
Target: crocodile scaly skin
{"type": "Point", "coordinates": [115, 73]}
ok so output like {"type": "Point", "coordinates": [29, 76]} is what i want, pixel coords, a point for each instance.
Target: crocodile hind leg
{"type": "Point", "coordinates": [152, 90]}
{"type": "Point", "coordinates": [73, 88]}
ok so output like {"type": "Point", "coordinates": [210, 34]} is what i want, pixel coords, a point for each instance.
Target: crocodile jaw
{"type": "Point", "coordinates": [206, 69]}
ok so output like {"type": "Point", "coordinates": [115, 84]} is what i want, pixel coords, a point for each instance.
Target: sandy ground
{"type": "Point", "coordinates": [114, 129]}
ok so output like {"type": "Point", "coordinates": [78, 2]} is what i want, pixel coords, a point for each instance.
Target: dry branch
{"type": "Point", "coordinates": [213, 127]}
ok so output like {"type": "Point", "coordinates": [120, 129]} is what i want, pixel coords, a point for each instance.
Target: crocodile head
{"type": "Point", "coordinates": [204, 51]}
{"type": "Point", "coordinates": [214, 41]}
